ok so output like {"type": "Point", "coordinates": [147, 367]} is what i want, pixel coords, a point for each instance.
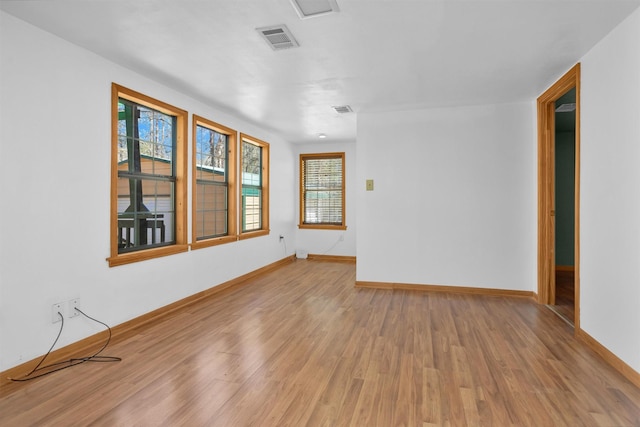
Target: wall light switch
{"type": "Point", "coordinates": [369, 185]}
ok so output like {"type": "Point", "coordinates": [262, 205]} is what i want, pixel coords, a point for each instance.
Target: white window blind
{"type": "Point", "coordinates": [323, 187]}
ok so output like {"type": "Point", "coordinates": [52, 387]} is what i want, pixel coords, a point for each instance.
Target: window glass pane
{"type": "Point", "coordinates": [212, 213]}
{"type": "Point", "coordinates": [251, 187]}
{"type": "Point", "coordinates": [252, 208]}
{"type": "Point", "coordinates": [323, 207]}
{"type": "Point", "coordinates": [146, 177]}
{"type": "Point", "coordinates": [211, 155]}
{"type": "Point", "coordinates": [212, 210]}
{"type": "Point", "coordinates": [251, 163]}
{"type": "Point", "coordinates": [149, 221]}
{"type": "Point", "coordinates": [151, 131]}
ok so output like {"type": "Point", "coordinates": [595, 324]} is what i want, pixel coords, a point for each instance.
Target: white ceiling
{"type": "Point", "coordinates": [373, 55]}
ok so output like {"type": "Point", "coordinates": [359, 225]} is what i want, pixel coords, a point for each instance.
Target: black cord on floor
{"type": "Point", "coordinates": [71, 362]}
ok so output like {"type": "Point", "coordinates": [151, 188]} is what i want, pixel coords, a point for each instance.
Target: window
{"type": "Point", "coordinates": [255, 186]}
{"type": "Point", "coordinates": [148, 178]}
{"type": "Point", "coordinates": [322, 191]}
{"type": "Point", "coordinates": [214, 194]}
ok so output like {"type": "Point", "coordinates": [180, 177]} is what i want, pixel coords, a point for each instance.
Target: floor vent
{"type": "Point", "coordinates": [278, 37]}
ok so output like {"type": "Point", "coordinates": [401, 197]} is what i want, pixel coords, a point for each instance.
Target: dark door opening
{"type": "Point", "coordinates": [564, 173]}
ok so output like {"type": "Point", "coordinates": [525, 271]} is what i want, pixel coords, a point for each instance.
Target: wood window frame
{"type": "Point", "coordinates": [232, 232]}
{"type": "Point", "coordinates": [302, 224]}
{"type": "Point", "coordinates": [180, 150]}
{"type": "Point", "coordinates": [264, 229]}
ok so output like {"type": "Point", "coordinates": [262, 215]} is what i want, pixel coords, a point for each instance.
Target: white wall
{"type": "Point", "coordinates": [55, 173]}
{"type": "Point", "coordinates": [610, 192]}
{"type": "Point", "coordinates": [454, 200]}
{"type": "Point", "coordinates": [331, 242]}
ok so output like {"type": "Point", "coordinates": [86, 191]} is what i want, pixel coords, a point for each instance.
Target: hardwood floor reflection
{"type": "Point", "coordinates": [300, 346]}
{"type": "Point", "coordinates": [565, 295]}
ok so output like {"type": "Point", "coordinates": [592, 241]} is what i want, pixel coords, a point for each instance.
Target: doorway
{"type": "Point", "coordinates": [564, 155]}
{"type": "Point", "coordinates": [548, 102]}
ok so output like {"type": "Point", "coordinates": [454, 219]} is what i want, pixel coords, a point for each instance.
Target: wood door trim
{"type": "Point", "coordinates": [546, 191]}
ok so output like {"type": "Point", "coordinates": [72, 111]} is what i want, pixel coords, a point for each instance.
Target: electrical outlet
{"type": "Point", "coordinates": [341, 239]}
{"type": "Point", "coordinates": [281, 237]}
{"type": "Point", "coordinates": [55, 309]}
{"type": "Point", "coordinates": [73, 304]}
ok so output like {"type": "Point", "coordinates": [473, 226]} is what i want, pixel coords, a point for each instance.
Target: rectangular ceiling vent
{"type": "Point", "coordinates": [278, 37]}
{"type": "Point", "coordinates": [566, 108]}
{"type": "Point", "coordinates": [342, 109]}
{"type": "Point", "coordinates": [312, 8]}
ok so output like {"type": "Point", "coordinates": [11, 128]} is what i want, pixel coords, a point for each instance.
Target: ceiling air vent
{"type": "Point", "coordinates": [311, 8]}
{"type": "Point", "coordinates": [278, 37]}
{"type": "Point", "coordinates": [342, 109]}
{"type": "Point", "coordinates": [566, 108]}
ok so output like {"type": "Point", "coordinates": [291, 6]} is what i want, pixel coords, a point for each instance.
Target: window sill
{"type": "Point", "coordinates": [200, 244]}
{"type": "Point", "coordinates": [146, 254]}
{"type": "Point", "coordinates": [250, 234]}
{"type": "Point", "coordinates": [322, 227]}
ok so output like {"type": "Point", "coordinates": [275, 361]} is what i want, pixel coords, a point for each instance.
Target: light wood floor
{"type": "Point", "coordinates": [300, 346]}
{"type": "Point", "coordinates": [565, 298]}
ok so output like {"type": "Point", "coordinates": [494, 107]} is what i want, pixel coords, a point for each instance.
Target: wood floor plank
{"type": "Point", "coordinates": [301, 346]}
